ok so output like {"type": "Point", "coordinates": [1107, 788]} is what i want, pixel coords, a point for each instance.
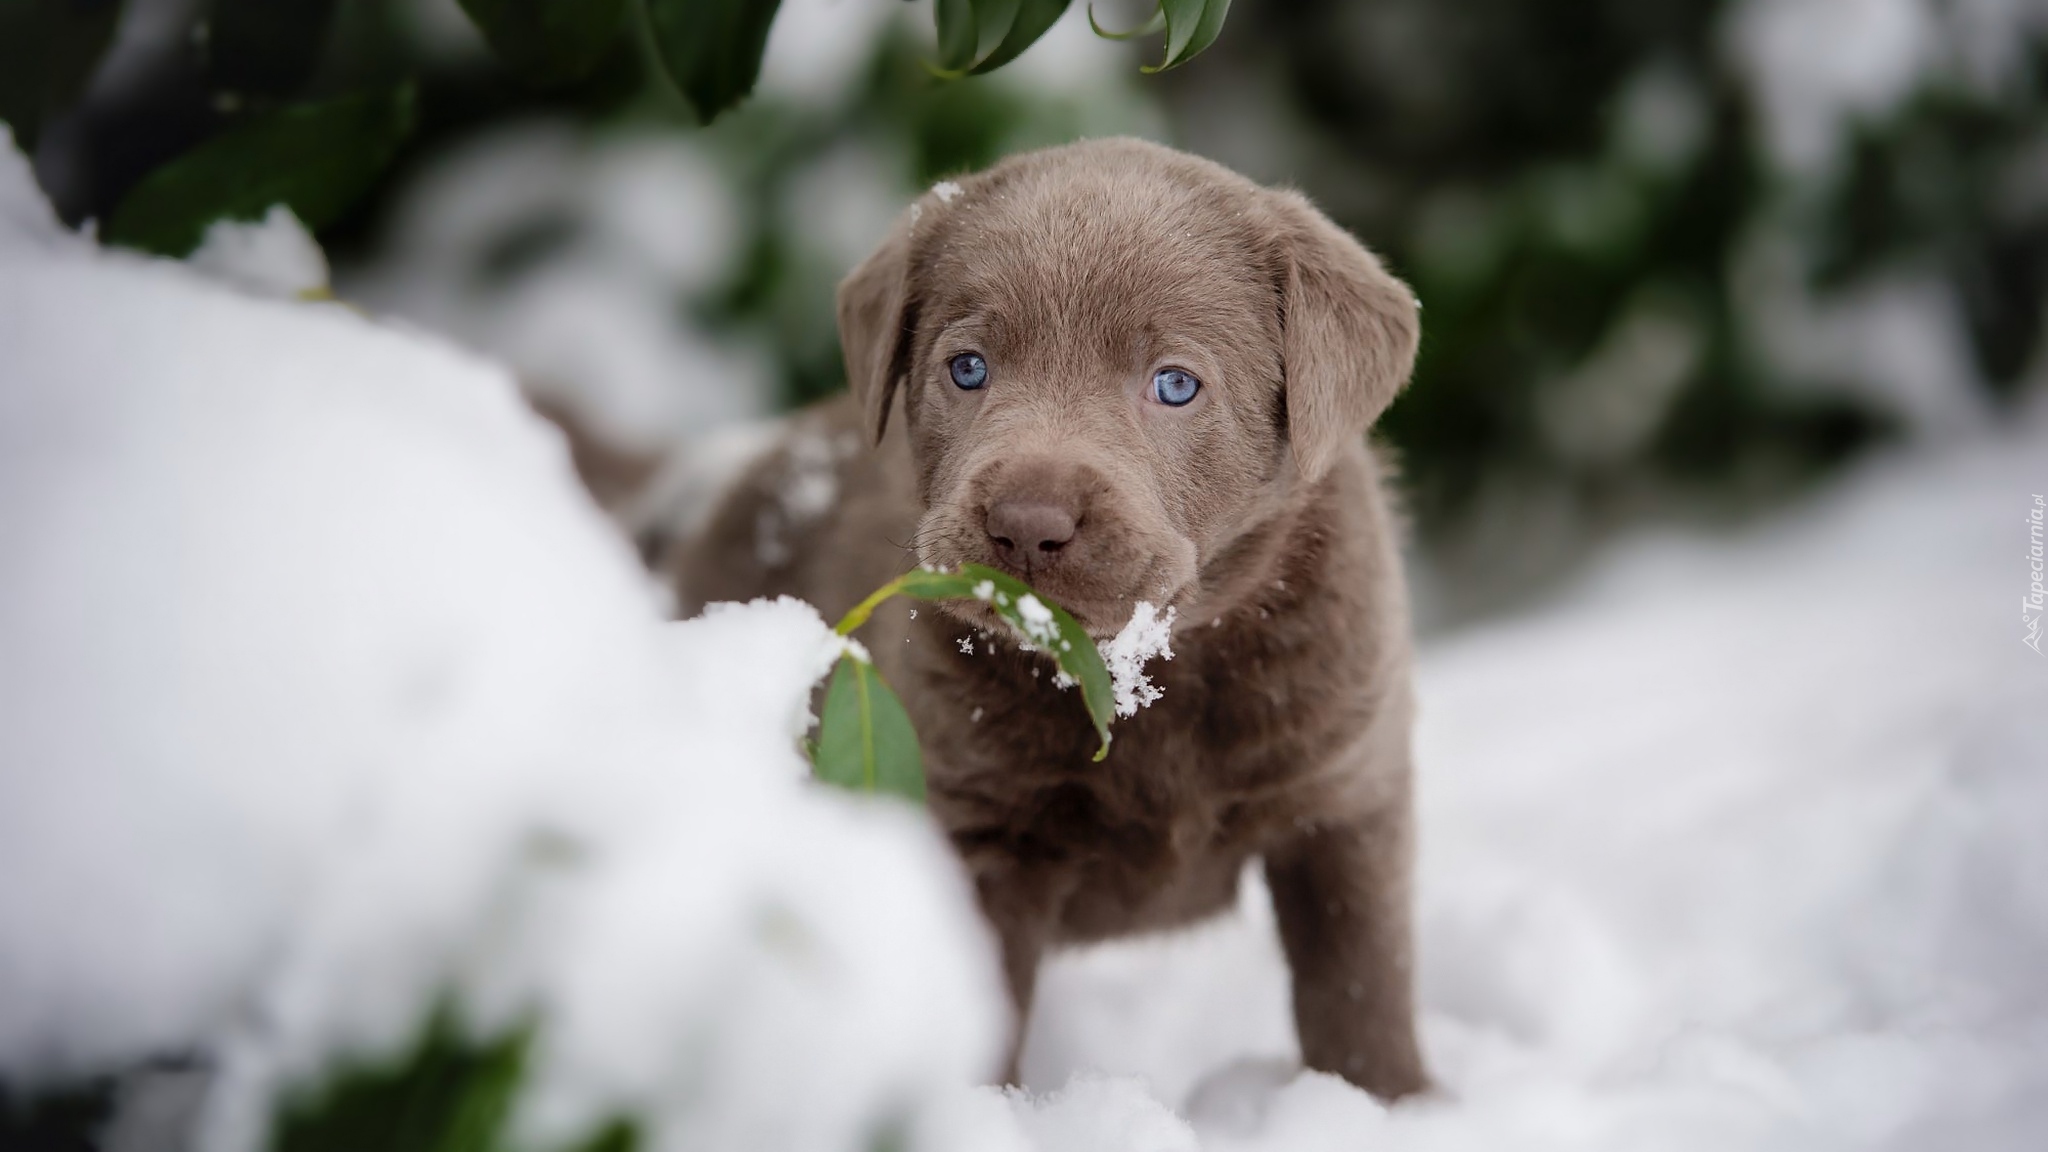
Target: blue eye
{"type": "Point", "coordinates": [1174, 386]}
{"type": "Point", "coordinates": [970, 371]}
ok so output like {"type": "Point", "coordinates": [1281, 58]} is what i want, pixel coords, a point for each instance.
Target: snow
{"type": "Point", "coordinates": [274, 256]}
{"type": "Point", "coordinates": [840, 204]}
{"type": "Point", "coordinates": [1737, 846]}
{"type": "Point", "coordinates": [571, 259]}
{"type": "Point", "coordinates": [1819, 66]}
{"type": "Point", "coordinates": [945, 190]}
{"type": "Point", "coordinates": [1819, 69]}
{"type": "Point", "coordinates": [1144, 636]}
{"type": "Point", "coordinates": [806, 490]}
{"type": "Point", "coordinates": [27, 222]}
{"type": "Point", "coordinates": [816, 48]}
{"type": "Point", "coordinates": [684, 493]}
{"type": "Point", "coordinates": [1897, 342]}
{"type": "Point", "coordinates": [325, 691]}
{"type": "Point", "coordinates": [811, 486]}
{"type": "Point", "coordinates": [1036, 620]}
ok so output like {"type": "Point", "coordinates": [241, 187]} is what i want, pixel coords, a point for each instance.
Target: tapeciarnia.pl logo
{"type": "Point", "coordinates": [2036, 599]}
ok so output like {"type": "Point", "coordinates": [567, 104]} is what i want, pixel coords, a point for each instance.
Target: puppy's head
{"type": "Point", "coordinates": [1114, 361]}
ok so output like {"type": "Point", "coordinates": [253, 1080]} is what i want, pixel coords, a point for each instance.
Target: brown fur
{"type": "Point", "coordinates": [1256, 511]}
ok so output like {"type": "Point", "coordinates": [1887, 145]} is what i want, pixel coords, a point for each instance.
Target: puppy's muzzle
{"type": "Point", "coordinates": [1060, 524]}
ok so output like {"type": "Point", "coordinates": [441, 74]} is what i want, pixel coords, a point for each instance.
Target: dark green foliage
{"type": "Point", "coordinates": [47, 52]}
{"type": "Point", "coordinates": [711, 48]}
{"type": "Point", "coordinates": [958, 33]}
{"type": "Point", "coordinates": [317, 159]}
{"type": "Point", "coordinates": [449, 1093]}
{"type": "Point", "coordinates": [977, 36]}
{"type": "Point", "coordinates": [265, 47]}
{"type": "Point", "coordinates": [1191, 25]}
{"type": "Point", "coordinates": [969, 30]}
{"type": "Point", "coordinates": [1486, 148]}
{"type": "Point", "coordinates": [68, 1120]}
{"type": "Point", "coordinates": [1941, 184]}
{"type": "Point", "coordinates": [1034, 18]}
{"type": "Point", "coordinates": [618, 1136]}
{"type": "Point", "coordinates": [548, 42]}
{"type": "Point", "coordinates": [239, 59]}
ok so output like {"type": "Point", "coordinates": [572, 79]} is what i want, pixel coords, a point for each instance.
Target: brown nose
{"type": "Point", "coordinates": [1028, 532]}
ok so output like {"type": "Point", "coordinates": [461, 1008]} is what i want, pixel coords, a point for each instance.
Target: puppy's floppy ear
{"type": "Point", "coordinates": [874, 328]}
{"type": "Point", "coordinates": [1350, 334]}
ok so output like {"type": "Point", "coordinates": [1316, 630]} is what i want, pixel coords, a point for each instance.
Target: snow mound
{"type": "Point", "coordinates": [326, 693]}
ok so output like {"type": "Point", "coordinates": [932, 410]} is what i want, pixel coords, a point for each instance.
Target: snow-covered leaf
{"type": "Point", "coordinates": [1042, 623]}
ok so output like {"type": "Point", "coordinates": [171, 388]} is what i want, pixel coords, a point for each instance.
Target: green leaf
{"type": "Point", "coordinates": [448, 1093]}
{"type": "Point", "coordinates": [1191, 25]}
{"type": "Point", "coordinates": [1152, 24]}
{"type": "Point", "coordinates": [865, 739]}
{"type": "Point", "coordinates": [549, 42]}
{"type": "Point", "coordinates": [711, 48]}
{"type": "Point", "coordinates": [992, 21]}
{"type": "Point", "coordinates": [970, 31]}
{"type": "Point", "coordinates": [956, 29]}
{"type": "Point", "coordinates": [1033, 18]}
{"type": "Point", "coordinates": [48, 49]}
{"type": "Point", "coordinates": [1055, 631]}
{"type": "Point", "coordinates": [316, 159]}
{"type": "Point", "coordinates": [977, 36]}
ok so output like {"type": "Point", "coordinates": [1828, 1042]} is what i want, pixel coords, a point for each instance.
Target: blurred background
{"type": "Point", "coordinates": [1678, 258]}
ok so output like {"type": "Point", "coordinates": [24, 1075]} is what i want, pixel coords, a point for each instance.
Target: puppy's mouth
{"type": "Point", "coordinates": [1101, 614]}
{"type": "Point", "coordinates": [1097, 563]}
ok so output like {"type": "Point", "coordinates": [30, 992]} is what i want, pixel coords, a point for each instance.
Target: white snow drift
{"type": "Point", "coordinates": [324, 692]}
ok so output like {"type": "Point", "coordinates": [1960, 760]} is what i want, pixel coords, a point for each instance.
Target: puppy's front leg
{"type": "Point", "coordinates": [1341, 895]}
{"type": "Point", "coordinates": [1020, 912]}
